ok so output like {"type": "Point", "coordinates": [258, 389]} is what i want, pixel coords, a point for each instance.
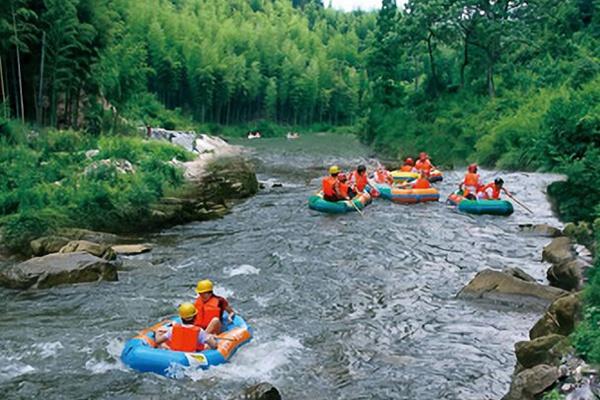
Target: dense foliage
{"type": "Point", "coordinates": [47, 181]}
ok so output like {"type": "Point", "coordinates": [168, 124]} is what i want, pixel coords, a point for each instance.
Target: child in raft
{"type": "Point", "coordinates": [184, 335]}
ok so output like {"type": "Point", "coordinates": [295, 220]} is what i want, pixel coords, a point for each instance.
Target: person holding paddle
{"type": "Point", "coordinates": [492, 190]}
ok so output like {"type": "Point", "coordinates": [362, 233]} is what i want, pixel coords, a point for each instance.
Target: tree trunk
{"type": "Point", "coordinates": [76, 108]}
{"type": "Point", "coordinates": [40, 102]}
{"type": "Point", "coordinates": [490, 80]}
{"type": "Point", "coordinates": [19, 67]}
{"type": "Point", "coordinates": [464, 63]}
{"type": "Point", "coordinates": [416, 73]}
{"type": "Point", "coordinates": [4, 108]}
{"type": "Point", "coordinates": [432, 61]}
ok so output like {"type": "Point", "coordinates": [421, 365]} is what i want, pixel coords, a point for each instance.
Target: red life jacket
{"type": "Point", "coordinates": [421, 183]}
{"type": "Point", "coordinates": [494, 190]}
{"type": "Point", "coordinates": [207, 311]}
{"type": "Point", "coordinates": [424, 166]}
{"type": "Point", "coordinates": [360, 181]}
{"type": "Point", "coordinates": [343, 188]}
{"type": "Point", "coordinates": [185, 338]}
{"type": "Point", "coordinates": [406, 168]}
{"type": "Point", "coordinates": [329, 186]}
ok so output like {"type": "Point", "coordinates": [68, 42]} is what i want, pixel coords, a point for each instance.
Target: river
{"type": "Point", "coordinates": [342, 307]}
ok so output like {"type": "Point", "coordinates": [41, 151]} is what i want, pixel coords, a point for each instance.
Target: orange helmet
{"type": "Point", "coordinates": [409, 161]}
{"type": "Point", "coordinates": [472, 168]}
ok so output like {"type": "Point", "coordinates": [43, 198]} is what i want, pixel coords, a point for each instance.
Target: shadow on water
{"type": "Point", "coordinates": [342, 306]}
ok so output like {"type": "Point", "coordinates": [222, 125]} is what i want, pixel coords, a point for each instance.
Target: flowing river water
{"type": "Point", "coordinates": [342, 307]}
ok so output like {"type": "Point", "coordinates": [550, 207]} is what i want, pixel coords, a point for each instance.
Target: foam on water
{"type": "Point", "coordinates": [108, 361]}
{"type": "Point", "coordinates": [244, 269]}
{"type": "Point", "coordinates": [11, 368]}
{"type": "Point", "coordinates": [47, 350]}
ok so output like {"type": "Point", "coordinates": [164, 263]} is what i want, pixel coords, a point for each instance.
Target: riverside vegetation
{"type": "Point", "coordinates": [511, 84]}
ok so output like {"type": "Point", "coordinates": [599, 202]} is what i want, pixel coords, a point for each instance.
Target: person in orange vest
{"type": "Point", "coordinates": [471, 183]}
{"type": "Point", "coordinates": [359, 179]}
{"type": "Point", "coordinates": [421, 183]}
{"type": "Point", "coordinates": [423, 164]}
{"type": "Point", "coordinates": [492, 190]}
{"type": "Point", "coordinates": [382, 175]}
{"type": "Point", "coordinates": [343, 188]}
{"type": "Point", "coordinates": [210, 308]}
{"type": "Point", "coordinates": [409, 165]}
{"type": "Point", "coordinates": [331, 185]}
{"type": "Point", "coordinates": [184, 335]}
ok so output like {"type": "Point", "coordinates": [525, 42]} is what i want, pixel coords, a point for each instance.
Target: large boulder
{"type": "Point", "coordinates": [567, 275]}
{"type": "Point", "coordinates": [544, 230]}
{"type": "Point", "coordinates": [47, 245]}
{"type": "Point", "coordinates": [560, 318]}
{"type": "Point", "coordinates": [131, 249]}
{"type": "Point", "coordinates": [95, 249]}
{"type": "Point", "coordinates": [560, 250]}
{"type": "Point", "coordinates": [502, 286]}
{"type": "Point", "coordinates": [262, 391]}
{"type": "Point", "coordinates": [543, 350]}
{"type": "Point", "coordinates": [58, 269]}
{"type": "Point", "coordinates": [530, 382]}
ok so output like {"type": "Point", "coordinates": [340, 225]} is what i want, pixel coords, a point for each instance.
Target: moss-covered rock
{"type": "Point", "coordinates": [95, 249]}
{"type": "Point", "coordinates": [47, 245]}
{"type": "Point", "coordinates": [560, 318]}
{"type": "Point", "coordinates": [543, 350]}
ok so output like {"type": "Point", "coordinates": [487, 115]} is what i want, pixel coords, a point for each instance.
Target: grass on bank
{"type": "Point", "coordinates": [47, 181]}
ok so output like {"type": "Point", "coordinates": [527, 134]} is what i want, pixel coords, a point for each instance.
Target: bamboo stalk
{"type": "Point", "coordinates": [19, 66]}
{"type": "Point", "coordinates": [4, 109]}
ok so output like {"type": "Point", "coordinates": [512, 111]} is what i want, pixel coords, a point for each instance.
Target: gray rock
{"type": "Point", "coordinates": [47, 244]}
{"type": "Point", "coordinates": [262, 391]}
{"type": "Point", "coordinates": [560, 317]}
{"type": "Point", "coordinates": [567, 275]}
{"type": "Point", "coordinates": [501, 286]}
{"type": "Point", "coordinates": [543, 350]}
{"type": "Point", "coordinates": [530, 382]}
{"type": "Point", "coordinates": [560, 250]}
{"type": "Point", "coordinates": [58, 269]}
{"type": "Point", "coordinates": [92, 236]}
{"type": "Point", "coordinates": [544, 230]}
{"type": "Point", "coordinates": [131, 249]}
{"type": "Point", "coordinates": [520, 274]}
{"type": "Point", "coordinates": [95, 249]}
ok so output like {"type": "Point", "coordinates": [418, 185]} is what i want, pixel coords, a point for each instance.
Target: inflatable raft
{"type": "Point", "coordinates": [436, 176]}
{"type": "Point", "coordinates": [407, 195]}
{"type": "Point", "coordinates": [402, 176]}
{"type": "Point", "coordinates": [141, 354]}
{"type": "Point", "coordinates": [479, 207]}
{"type": "Point", "coordinates": [318, 203]}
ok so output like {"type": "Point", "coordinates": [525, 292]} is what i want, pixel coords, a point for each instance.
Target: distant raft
{"type": "Point", "coordinates": [142, 354]}
{"type": "Point", "coordinates": [402, 176]}
{"type": "Point", "coordinates": [407, 195]}
{"type": "Point", "coordinates": [479, 207]}
{"type": "Point", "coordinates": [436, 176]}
{"type": "Point", "coordinates": [318, 203]}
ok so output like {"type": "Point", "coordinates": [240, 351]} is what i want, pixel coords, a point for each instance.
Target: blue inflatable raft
{"type": "Point", "coordinates": [318, 203]}
{"type": "Point", "coordinates": [141, 354]}
{"type": "Point", "coordinates": [479, 207]}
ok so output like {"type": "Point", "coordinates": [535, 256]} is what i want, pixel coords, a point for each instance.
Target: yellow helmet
{"type": "Point", "coordinates": [187, 310]}
{"type": "Point", "coordinates": [204, 286]}
{"type": "Point", "coordinates": [334, 169]}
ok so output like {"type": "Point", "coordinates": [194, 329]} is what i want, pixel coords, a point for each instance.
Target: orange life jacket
{"type": "Point", "coordinates": [421, 183]}
{"type": "Point", "coordinates": [406, 168]}
{"type": "Point", "coordinates": [471, 179]}
{"type": "Point", "coordinates": [424, 166]}
{"type": "Point", "coordinates": [360, 181]}
{"type": "Point", "coordinates": [343, 188]}
{"type": "Point", "coordinates": [382, 177]}
{"type": "Point", "coordinates": [185, 338]}
{"type": "Point", "coordinates": [329, 186]}
{"type": "Point", "coordinates": [207, 311]}
{"type": "Point", "coordinates": [495, 191]}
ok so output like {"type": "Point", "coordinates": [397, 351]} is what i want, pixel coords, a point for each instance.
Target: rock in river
{"type": "Point", "coordinates": [531, 382]}
{"type": "Point", "coordinates": [47, 245]}
{"type": "Point", "coordinates": [560, 318]}
{"type": "Point", "coordinates": [262, 391]}
{"type": "Point", "coordinates": [57, 269]}
{"type": "Point", "coordinates": [543, 350]}
{"type": "Point", "coordinates": [131, 249]}
{"type": "Point", "coordinates": [95, 249]}
{"type": "Point", "coordinates": [504, 286]}
{"type": "Point", "coordinates": [560, 250]}
{"type": "Point", "coordinates": [567, 275]}
{"type": "Point", "coordinates": [544, 230]}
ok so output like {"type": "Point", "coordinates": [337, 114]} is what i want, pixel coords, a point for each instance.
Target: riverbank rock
{"type": "Point", "coordinates": [58, 269]}
{"type": "Point", "coordinates": [542, 350]}
{"type": "Point", "coordinates": [131, 249]}
{"type": "Point", "coordinates": [530, 382]}
{"type": "Point", "coordinates": [262, 391]}
{"type": "Point", "coordinates": [560, 318]}
{"type": "Point", "coordinates": [543, 230]}
{"type": "Point", "coordinates": [567, 275]}
{"type": "Point", "coordinates": [503, 286]}
{"type": "Point", "coordinates": [91, 236]}
{"type": "Point", "coordinates": [47, 245]}
{"type": "Point", "coordinates": [95, 249]}
{"type": "Point", "coordinates": [560, 250]}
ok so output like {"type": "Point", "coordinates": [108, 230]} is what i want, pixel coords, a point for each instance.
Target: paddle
{"type": "Point", "coordinates": [517, 201]}
{"type": "Point", "coordinates": [356, 208]}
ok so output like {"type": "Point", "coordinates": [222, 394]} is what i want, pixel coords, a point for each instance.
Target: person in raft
{"type": "Point", "coordinates": [422, 182]}
{"type": "Point", "coordinates": [382, 175]}
{"type": "Point", "coordinates": [331, 185]}
{"type": "Point", "coordinates": [409, 165]}
{"type": "Point", "coordinates": [471, 183]}
{"type": "Point", "coordinates": [492, 190]}
{"type": "Point", "coordinates": [423, 164]}
{"type": "Point", "coordinates": [210, 308]}
{"type": "Point", "coordinates": [184, 335]}
{"type": "Point", "coordinates": [343, 188]}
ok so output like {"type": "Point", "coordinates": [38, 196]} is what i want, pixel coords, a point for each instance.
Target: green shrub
{"type": "Point", "coordinates": [19, 229]}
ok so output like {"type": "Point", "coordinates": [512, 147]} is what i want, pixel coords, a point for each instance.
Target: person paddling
{"type": "Point", "coordinates": [183, 335]}
{"type": "Point", "coordinates": [382, 175]}
{"type": "Point", "coordinates": [492, 190]}
{"type": "Point", "coordinates": [471, 183]}
{"type": "Point", "coordinates": [210, 308]}
{"type": "Point", "coordinates": [422, 182]}
{"type": "Point", "coordinates": [409, 165]}
{"type": "Point", "coordinates": [331, 185]}
{"type": "Point", "coordinates": [423, 164]}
